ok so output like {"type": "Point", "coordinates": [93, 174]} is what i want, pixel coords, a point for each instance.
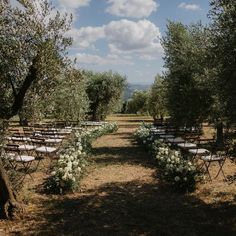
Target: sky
{"type": "Point", "coordinates": [124, 35]}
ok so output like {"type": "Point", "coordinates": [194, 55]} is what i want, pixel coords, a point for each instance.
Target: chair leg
{"type": "Point", "coordinates": [221, 164]}
{"type": "Point", "coordinates": [207, 166]}
{"type": "Point", "coordinates": [27, 169]}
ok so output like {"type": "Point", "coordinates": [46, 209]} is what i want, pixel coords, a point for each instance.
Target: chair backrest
{"type": "Point", "coordinates": [37, 141]}
{"type": "Point", "coordinates": [207, 143]}
{"type": "Point", "coordinates": [11, 148]}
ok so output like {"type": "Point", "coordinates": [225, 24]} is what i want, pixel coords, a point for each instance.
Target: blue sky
{"type": "Point", "coordinates": [123, 35]}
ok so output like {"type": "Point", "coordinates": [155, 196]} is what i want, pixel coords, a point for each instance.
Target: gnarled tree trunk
{"type": "Point", "coordinates": [10, 207]}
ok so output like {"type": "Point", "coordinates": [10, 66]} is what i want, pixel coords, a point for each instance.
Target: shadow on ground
{"type": "Point", "coordinates": [130, 153]}
{"type": "Point", "coordinates": [135, 208]}
{"type": "Point", "coordinates": [123, 155]}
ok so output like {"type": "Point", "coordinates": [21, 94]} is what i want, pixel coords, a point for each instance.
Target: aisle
{"type": "Point", "coordinates": [118, 160]}
{"type": "Point", "coordinates": [116, 192]}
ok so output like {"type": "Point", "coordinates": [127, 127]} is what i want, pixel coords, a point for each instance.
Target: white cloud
{"type": "Point", "coordinates": [84, 58]}
{"type": "Point", "coordinates": [125, 37]}
{"type": "Point", "coordinates": [70, 6]}
{"type": "Point", "coordinates": [131, 8]}
{"type": "Point", "coordinates": [192, 7]}
{"type": "Point", "coordinates": [85, 36]}
{"type": "Point", "coordinates": [74, 4]}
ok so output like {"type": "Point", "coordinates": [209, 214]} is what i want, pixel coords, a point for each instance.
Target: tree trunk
{"type": "Point", "coordinates": [20, 94]}
{"type": "Point", "coordinates": [219, 134]}
{"type": "Point", "coordinates": [10, 208]}
{"type": "Point", "coordinates": [23, 120]}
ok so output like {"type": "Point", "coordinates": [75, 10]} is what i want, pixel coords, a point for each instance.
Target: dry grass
{"type": "Point", "coordinates": [121, 195]}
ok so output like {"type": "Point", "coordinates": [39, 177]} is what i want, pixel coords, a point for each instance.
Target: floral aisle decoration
{"type": "Point", "coordinates": [173, 168]}
{"type": "Point", "coordinates": [73, 159]}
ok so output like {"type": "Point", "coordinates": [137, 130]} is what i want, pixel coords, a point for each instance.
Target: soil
{"type": "Point", "coordinates": [122, 195]}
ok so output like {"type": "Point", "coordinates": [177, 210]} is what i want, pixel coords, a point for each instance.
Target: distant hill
{"type": "Point", "coordinates": [132, 87]}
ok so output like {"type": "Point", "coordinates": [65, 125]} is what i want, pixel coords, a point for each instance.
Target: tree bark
{"type": "Point", "coordinates": [219, 134]}
{"type": "Point", "coordinates": [10, 207]}
{"type": "Point", "coordinates": [20, 95]}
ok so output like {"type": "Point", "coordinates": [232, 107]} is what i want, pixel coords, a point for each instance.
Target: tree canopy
{"type": "Point", "coordinates": [188, 100]}
{"type": "Point", "coordinates": [29, 54]}
{"type": "Point", "coordinates": [105, 92]}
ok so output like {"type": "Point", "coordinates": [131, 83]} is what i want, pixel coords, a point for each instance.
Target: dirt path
{"type": "Point", "coordinates": [121, 195]}
{"type": "Point", "coordinates": [118, 160]}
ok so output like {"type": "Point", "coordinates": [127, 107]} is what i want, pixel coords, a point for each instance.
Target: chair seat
{"type": "Point", "coordinates": [53, 140]}
{"type": "Point", "coordinates": [212, 158]}
{"type": "Point", "coordinates": [20, 139]}
{"type": "Point", "coordinates": [26, 147]}
{"type": "Point", "coordinates": [24, 158]}
{"type": "Point", "coordinates": [176, 140]}
{"type": "Point", "coordinates": [46, 149]}
{"type": "Point", "coordinates": [167, 136]}
{"type": "Point", "coordinates": [56, 136]}
{"type": "Point", "coordinates": [187, 145]}
{"type": "Point", "coordinates": [198, 151]}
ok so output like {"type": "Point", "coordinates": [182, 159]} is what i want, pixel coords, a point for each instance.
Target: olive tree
{"type": "Point", "coordinates": [32, 50]}
{"type": "Point", "coordinates": [222, 55]}
{"type": "Point", "coordinates": [69, 99]}
{"type": "Point", "coordinates": [138, 103]}
{"type": "Point", "coordinates": [157, 100]}
{"type": "Point", "coordinates": [105, 92]}
{"type": "Point", "coordinates": [188, 100]}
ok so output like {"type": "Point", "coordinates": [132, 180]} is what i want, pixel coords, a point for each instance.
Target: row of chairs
{"type": "Point", "coordinates": [25, 148]}
{"type": "Point", "coordinates": [196, 147]}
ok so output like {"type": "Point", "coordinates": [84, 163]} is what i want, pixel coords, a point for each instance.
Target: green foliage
{"type": "Point", "coordinates": [138, 103]}
{"type": "Point", "coordinates": [223, 55]}
{"type": "Point", "coordinates": [35, 53]}
{"type": "Point", "coordinates": [157, 100]}
{"type": "Point", "coordinates": [69, 99]}
{"type": "Point", "coordinates": [188, 99]}
{"type": "Point", "coordinates": [105, 92]}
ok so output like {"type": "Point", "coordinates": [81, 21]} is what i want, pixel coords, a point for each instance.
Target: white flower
{"type": "Point", "coordinates": [70, 176]}
{"type": "Point", "coordinates": [177, 178]}
{"type": "Point", "coordinates": [75, 163]}
{"type": "Point", "coordinates": [176, 153]}
{"type": "Point", "coordinates": [185, 179]}
{"type": "Point", "coordinates": [64, 177]}
{"type": "Point", "coordinates": [53, 173]}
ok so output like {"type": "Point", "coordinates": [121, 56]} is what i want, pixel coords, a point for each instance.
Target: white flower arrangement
{"type": "Point", "coordinates": [173, 167]}
{"type": "Point", "coordinates": [73, 156]}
